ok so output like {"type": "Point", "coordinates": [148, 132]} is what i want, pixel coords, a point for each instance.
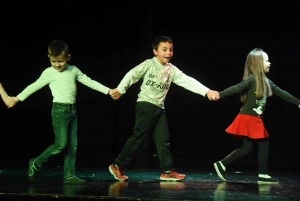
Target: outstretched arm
{"type": "Point", "coordinates": [9, 101]}
{"type": "Point", "coordinates": [284, 95]}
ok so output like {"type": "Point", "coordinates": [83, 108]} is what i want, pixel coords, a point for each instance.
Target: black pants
{"type": "Point", "coordinates": [149, 120]}
{"type": "Point", "coordinates": [263, 153]}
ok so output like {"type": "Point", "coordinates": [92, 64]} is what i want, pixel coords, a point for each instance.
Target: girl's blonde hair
{"type": "Point", "coordinates": [255, 66]}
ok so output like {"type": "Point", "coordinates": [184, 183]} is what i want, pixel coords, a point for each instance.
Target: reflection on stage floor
{"type": "Point", "coordinates": [144, 184]}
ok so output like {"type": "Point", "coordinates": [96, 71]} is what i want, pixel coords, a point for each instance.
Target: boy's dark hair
{"type": "Point", "coordinates": [160, 39]}
{"type": "Point", "coordinates": [58, 47]}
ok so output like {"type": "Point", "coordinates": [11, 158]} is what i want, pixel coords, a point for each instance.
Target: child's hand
{"type": "Point", "coordinates": [213, 95]}
{"type": "Point", "coordinates": [10, 101]}
{"type": "Point", "coordinates": [217, 96]}
{"type": "Point", "coordinates": [114, 93]}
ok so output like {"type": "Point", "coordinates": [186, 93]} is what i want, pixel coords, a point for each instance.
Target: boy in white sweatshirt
{"type": "Point", "coordinates": [157, 74]}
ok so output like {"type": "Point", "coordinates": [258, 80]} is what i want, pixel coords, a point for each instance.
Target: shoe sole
{"type": "Point", "coordinates": [268, 182]}
{"type": "Point", "coordinates": [170, 179]}
{"type": "Point", "coordinates": [112, 172]}
{"type": "Point", "coordinates": [218, 172]}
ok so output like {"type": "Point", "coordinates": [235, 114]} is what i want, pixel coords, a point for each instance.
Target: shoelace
{"type": "Point", "coordinates": [33, 170]}
{"type": "Point", "coordinates": [121, 171]}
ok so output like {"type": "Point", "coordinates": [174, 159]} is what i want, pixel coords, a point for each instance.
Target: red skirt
{"type": "Point", "coordinates": [249, 126]}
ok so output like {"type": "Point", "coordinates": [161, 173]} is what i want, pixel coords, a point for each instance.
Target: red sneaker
{"type": "Point", "coordinates": [117, 172]}
{"type": "Point", "coordinates": [172, 176]}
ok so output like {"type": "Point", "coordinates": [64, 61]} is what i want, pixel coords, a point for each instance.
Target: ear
{"type": "Point", "coordinates": [69, 57]}
{"type": "Point", "coordinates": [48, 56]}
{"type": "Point", "coordinates": [155, 52]}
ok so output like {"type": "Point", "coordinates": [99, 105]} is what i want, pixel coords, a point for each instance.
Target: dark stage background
{"type": "Point", "coordinates": [108, 38]}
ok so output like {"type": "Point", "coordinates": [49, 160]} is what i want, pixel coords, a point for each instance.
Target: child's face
{"type": "Point", "coordinates": [60, 62]}
{"type": "Point", "coordinates": [267, 64]}
{"type": "Point", "coordinates": [164, 52]}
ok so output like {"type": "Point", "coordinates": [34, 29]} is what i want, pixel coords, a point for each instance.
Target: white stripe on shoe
{"type": "Point", "coordinates": [218, 171]}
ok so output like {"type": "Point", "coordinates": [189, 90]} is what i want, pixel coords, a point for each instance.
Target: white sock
{"type": "Point", "coordinates": [264, 176]}
{"type": "Point", "coordinates": [223, 167]}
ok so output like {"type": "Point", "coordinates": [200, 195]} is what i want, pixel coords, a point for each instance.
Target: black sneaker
{"type": "Point", "coordinates": [32, 170]}
{"type": "Point", "coordinates": [220, 171]}
{"type": "Point", "coordinates": [271, 180]}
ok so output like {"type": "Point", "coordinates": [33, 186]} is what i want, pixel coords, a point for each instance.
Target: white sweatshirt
{"type": "Point", "coordinates": [157, 80]}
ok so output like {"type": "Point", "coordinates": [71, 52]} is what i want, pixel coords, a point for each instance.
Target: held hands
{"type": "Point", "coordinates": [114, 93]}
{"type": "Point", "coordinates": [213, 95]}
{"type": "Point", "coordinates": [10, 101]}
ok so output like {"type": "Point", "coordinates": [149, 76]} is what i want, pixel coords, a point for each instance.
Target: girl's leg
{"type": "Point", "coordinates": [238, 153]}
{"type": "Point", "coordinates": [220, 166]}
{"type": "Point", "coordinates": [263, 156]}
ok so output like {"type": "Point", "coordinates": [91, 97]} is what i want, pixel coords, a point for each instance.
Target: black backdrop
{"type": "Point", "coordinates": [107, 39]}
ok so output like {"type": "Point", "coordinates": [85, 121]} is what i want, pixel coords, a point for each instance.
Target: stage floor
{"type": "Point", "coordinates": [144, 184]}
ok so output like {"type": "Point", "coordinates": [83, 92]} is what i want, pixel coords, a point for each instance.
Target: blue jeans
{"type": "Point", "coordinates": [64, 121]}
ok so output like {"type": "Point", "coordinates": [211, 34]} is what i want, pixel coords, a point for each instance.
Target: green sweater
{"type": "Point", "coordinates": [254, 106]}
{"type": "Point", "coordinates": [62, 84]}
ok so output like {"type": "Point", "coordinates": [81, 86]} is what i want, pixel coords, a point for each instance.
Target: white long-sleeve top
{"type": "Point", "coordinates": [157, 79]}
{"type": "Point", "coordinates": [62, 84]}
